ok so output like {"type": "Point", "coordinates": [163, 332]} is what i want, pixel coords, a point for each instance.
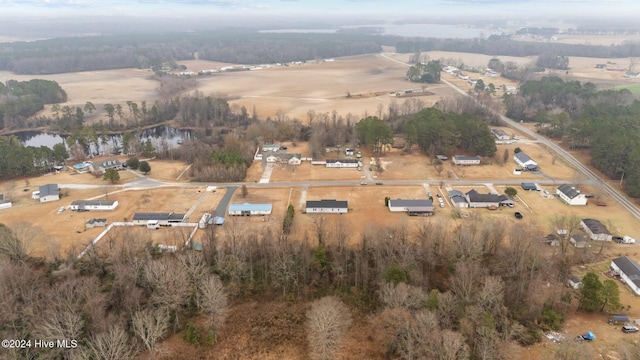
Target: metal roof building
{"type": "Point", "coordinates": [629, 272]}
{"type": "Point", "coordinates": [413, 207]}
{"type": "Point", "coordinates": [161, 218]}
{"type": "Point", "coordinates": [327, 206]}
{"type": "Point", "coordinates": [247, 209]}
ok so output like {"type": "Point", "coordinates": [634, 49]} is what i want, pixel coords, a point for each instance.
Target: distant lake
{"type": "Point", "coordinates": [410, 30]}
{"type": "Point", "coordinates": [160, 136]}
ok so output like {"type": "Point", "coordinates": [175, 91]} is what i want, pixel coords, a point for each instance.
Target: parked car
{"type": "Point", "coordinates": [441, 205]}
{"type": "Point", "coordinates": [629, 329]}
{"type": "Point", "coordinates": [379, 183]}
{"type": "Point", "coordinates": [518, 215]}
{"type": "Point", "coordinates": [439, 196]}
{"type": "Point", "coordinates": [61, 209]}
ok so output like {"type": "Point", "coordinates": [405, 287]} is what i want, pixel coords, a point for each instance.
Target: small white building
{"type": "Point", "coordinates": [466, 160]}
{"type": "Point", "coordinates": [579, 241]}
{"type": "Point", "coordinates": [596, 230]}
{"type": "Point", "coordinates": [343, 163]}
{"type": "Point", "coordinates": [327, 206]}
{"type": "Point", "coordinates": [247, 209]}
{"type": "Point", "coordinates": [574, 282]}
{"type": "Point", "coordinates": [571, 195]}
{"type": "Point", "coordinates": [47, 193]}
{"type": "Point", "coordinates": [94, 205]}
{"type": "Point", "coordinates": [629, 272]}
{"type": "Point", "coordinates": [525, 161]}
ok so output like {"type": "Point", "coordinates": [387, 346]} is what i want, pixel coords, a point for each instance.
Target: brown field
{"type": "Point", "coordinates": [604, 40]}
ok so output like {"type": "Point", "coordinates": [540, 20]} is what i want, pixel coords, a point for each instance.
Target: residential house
{"type": "Point", "coordinates": [596, 230]}
{"type": "Point", "coordinates": [247, 209]}
{"type": "Point", "coordinates": [343, 163]}
{"type": "Point", "coordinates": [272, 158]}
{"type": "Point", "coordinates": [525, 161]}
{"type": "Point", "coordinates": [327, 206]}
{"type": "Point", "coordinates": [47, 193]}
{"type": "Point", "coordinates": [458, 199]}
{"type": "Point", "coordinates": [270, 147]}
{"type": "Point", "coordinates": [466, 160]}
{"type": "Point", "coordinates": [571, 195]}
{"type": "Point", "coordinates": [629, 272]}
{"type": "Point", "coordinates": [500, 134]}
{"type": "Point", "coordinates": [109, 164]}
{"type": "Point", "coordinates": [99, 205]}
{"type": "Point", "coordinates": [162, 219]}
{"type": "Point", "coordinates": [529, 186]}
{"type": "Point", "coordinates": [491, 201]}
{"type": "Point", "coordinates": [95, 223]}
{"type": "Point", "coordinates": [574, 282]}
{"type": "Point", "coordinates": [579, 241]}
{"type": "Point", "coordinates": [412, 207]}
{"type": "Point", "coordinates": [349, 152]}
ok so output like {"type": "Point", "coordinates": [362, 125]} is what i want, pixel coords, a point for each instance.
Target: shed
{"type": "Point", "coordinates": [327, 206]}
{"type": "Point", "coordinates": [618, 319]}
{"type": "Point", "coordinates": [579, 241]}
{"type": "Point", "coordinates": [216, 220]}
{"type": "Point", "coordinates": [247, 209]}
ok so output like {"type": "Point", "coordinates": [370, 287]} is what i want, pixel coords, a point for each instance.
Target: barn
{"type": "Point", "coordinates": [570, 195]}
{"type": "Point", "coordinates": [247, 209]}
{"type": "Point", "coordinates": [47, 193]}
{"type": "Point", "coordinates": [525, 161]}
{"type": "Point", "coordinates": [96, 205]}
{"type": "Point", "coordinates": [163, 219]}
{"type": "Point", "coordinates": [466, 160]}
{"type": "Point", "coordinates": [327, 206]}
{"type": "Point", "coordinates": [412, 207]}
{"type": "Point", "coordinates": [596, 230]}
{"type": "Point", "coordinates": [629, 272]}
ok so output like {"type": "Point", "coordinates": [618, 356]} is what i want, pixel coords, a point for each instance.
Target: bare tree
{"type": "Point", "coordinates": [168, 283]}
{"type": "Point", "coordinates": [150, 325]}
{"type": "Point", "coordinates": [110, 345]}
{"type": "Point", "coordinates": [327, 322]}
{"type": "Point", "coordinates": [402, 296]}
{"type": "Point", "coordinates": [214, 302]}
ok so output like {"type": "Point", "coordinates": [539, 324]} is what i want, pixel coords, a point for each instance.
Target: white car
{"type": "Point", "coordinates": [61, 209]}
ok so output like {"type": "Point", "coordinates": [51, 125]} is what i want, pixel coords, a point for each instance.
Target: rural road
{"type": "Point", "coordinates": [585, 170]}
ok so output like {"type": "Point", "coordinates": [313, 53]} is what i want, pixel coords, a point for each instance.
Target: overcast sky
{"type": "Point", "coordinates": [317, 8]}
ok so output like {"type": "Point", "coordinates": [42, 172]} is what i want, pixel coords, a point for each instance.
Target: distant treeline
{"type": "Point", "coordinates": [20, 100]}
{"type": "Point", "coordinates": [250, 47]}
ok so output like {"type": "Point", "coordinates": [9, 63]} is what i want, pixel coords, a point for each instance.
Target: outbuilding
{"type": "Point", "coordinates": [629, 272]}
{"type": "Point", "coordinates": [96, 205]}
{"type": "Point", "coordinates": [579, 241]}
{"type": "Point", "coordinates": [465, 160]}
{"type": "Point", "coordinates": [247, 209]}
{"type": "Point", "coordinates": [570, 195]}
{"type": "Point", "coordinates": [596, 230]}
{"type": "Point", "coordinates": [412, 207]}
{"type": "Point", "coordinates": [327, 206]}
{"type": "Point", "coordinates": [574, 282]}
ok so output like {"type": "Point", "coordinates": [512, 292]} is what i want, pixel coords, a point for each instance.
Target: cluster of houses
{"type": "Point", "coordinates": [277, 154]}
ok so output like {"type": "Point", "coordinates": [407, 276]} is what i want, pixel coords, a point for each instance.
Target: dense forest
{"type": "Point", "coordinates": [20, 100]}
{"type": "Point", "coordinates": [250, 47]}
{"type": "Point", "coordinates": [603, 121]}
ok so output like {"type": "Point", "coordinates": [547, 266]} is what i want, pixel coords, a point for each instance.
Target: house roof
{"type": "Point", "coordinates": [95, 221]}
{"type": "Point", "coordinates": [49, 189]}
{"type": "Point", "coordinates": [620, 318]}
{"type": "Point", "coordinates": [343, 161]}
{"type": "Point", "coordinates": [270, 146]}
{"type": "Point", "coordinates": [578, 238]}
{"type": "Point", "coordinates": [455, 193]}
{"type": "Point", "coordinates": [110, 163]}
{"type": "Point", "coordinates": [575, 279]}
{"type": "Point", "coordinates": [327, 204]}
{"type": "Point", "coordinates": [158, 216]}
{"type": "Point", "coordinates": [523, 158]}
{"type": "Point", "coordinates": [629, 268]}
{"type": "Point", "coordinates": [529, 186]}
{"type": "Point", "coordinates": [468, 158]}
{"type": "Point", "coordinates": [498, 132]}
{"type": "Point", "coordinates": [568, 190]}
{"type": "Point", "coordinates": [475, 196]}
{"type": "Point", "coordinates": [93, 202]}
{"type": "Point", "coordinates": [250, 207]}
{"type": "Point", "coordinates": [596, 226]}
{"type": "Point", "coordinates": [411, 203]}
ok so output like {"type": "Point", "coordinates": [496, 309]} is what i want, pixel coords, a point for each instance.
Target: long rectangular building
{"type": "Point", "coordinates": [412, 207]}
{"type": "Point", "coordinates": [247, 209]}
{"type": "Point", "coordinates": [99, 205]}
{"type": "Point", "coordinates": [163, 219]}
{"type": "Point", "coordinates": [327, 206]}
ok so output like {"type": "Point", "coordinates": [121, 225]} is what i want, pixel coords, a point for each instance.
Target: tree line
{"type": "Point", "coordinates": [474, 291]}
{"type": "Point", "coordinates": [20, 100]}
{"type": "Point", "coordinates": [17, 160]}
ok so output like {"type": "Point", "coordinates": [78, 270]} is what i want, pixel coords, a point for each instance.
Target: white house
{"type": "Point", "coordinates": [525, 161]}
{"type": "Point", "coordinates": [46, 193]}
{"type": "Point", "coordinates": [629, 272]}
{"type": "Point", "coordinates": [466, 160]}
{"type": "Point", "coordinates": [500, 134]}
{"type": "Point", "coordinates": [327, 206]}
{"type": "Point", "coordinates": [596, 230]}
{"type": "Point", "coordinates": [412, 207]}
{"type": "Point", "coordinates": [574, 282]}
{"type": "Point", "coordinates": [247, 209]}
{"type": "Point", "coordinates": [162, 219]}
{"type": "Point", "coordinates": [272, 158]}
{"type": "Point", "coordinates": [571, 195]}
{"type": "Point", "coordinates": [99, 205]}
{"type": "Point", "coordinates": [343, 163]}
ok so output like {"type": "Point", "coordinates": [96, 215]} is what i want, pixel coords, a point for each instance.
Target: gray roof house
{"type": "Point", "coordinates": [458, 199]}
{"type": "Point", "coordinates": [162, 218]}
{"type": "Point", "coordinates": [571, 195]}
{"type": "Point", "coordinates": [525, 161]}
{"type": "Point", "coordinates": [596, 230]}
{"type": "Point", "coordinates": [327, 206]}
{"type": "Point", "coordinates": [629, 272]}
{"type": "Point", "coordinates": [412, 207]}
{"type": "Point", "coordinates": [476, 199]}
{"type": "Point", "coordinates": [49, 192]}
{"type": "Point", "coordinates": [574, 282]}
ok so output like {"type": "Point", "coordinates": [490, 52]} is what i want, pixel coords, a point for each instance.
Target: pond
{"type": "Point", "coordinates": [162, 137]}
